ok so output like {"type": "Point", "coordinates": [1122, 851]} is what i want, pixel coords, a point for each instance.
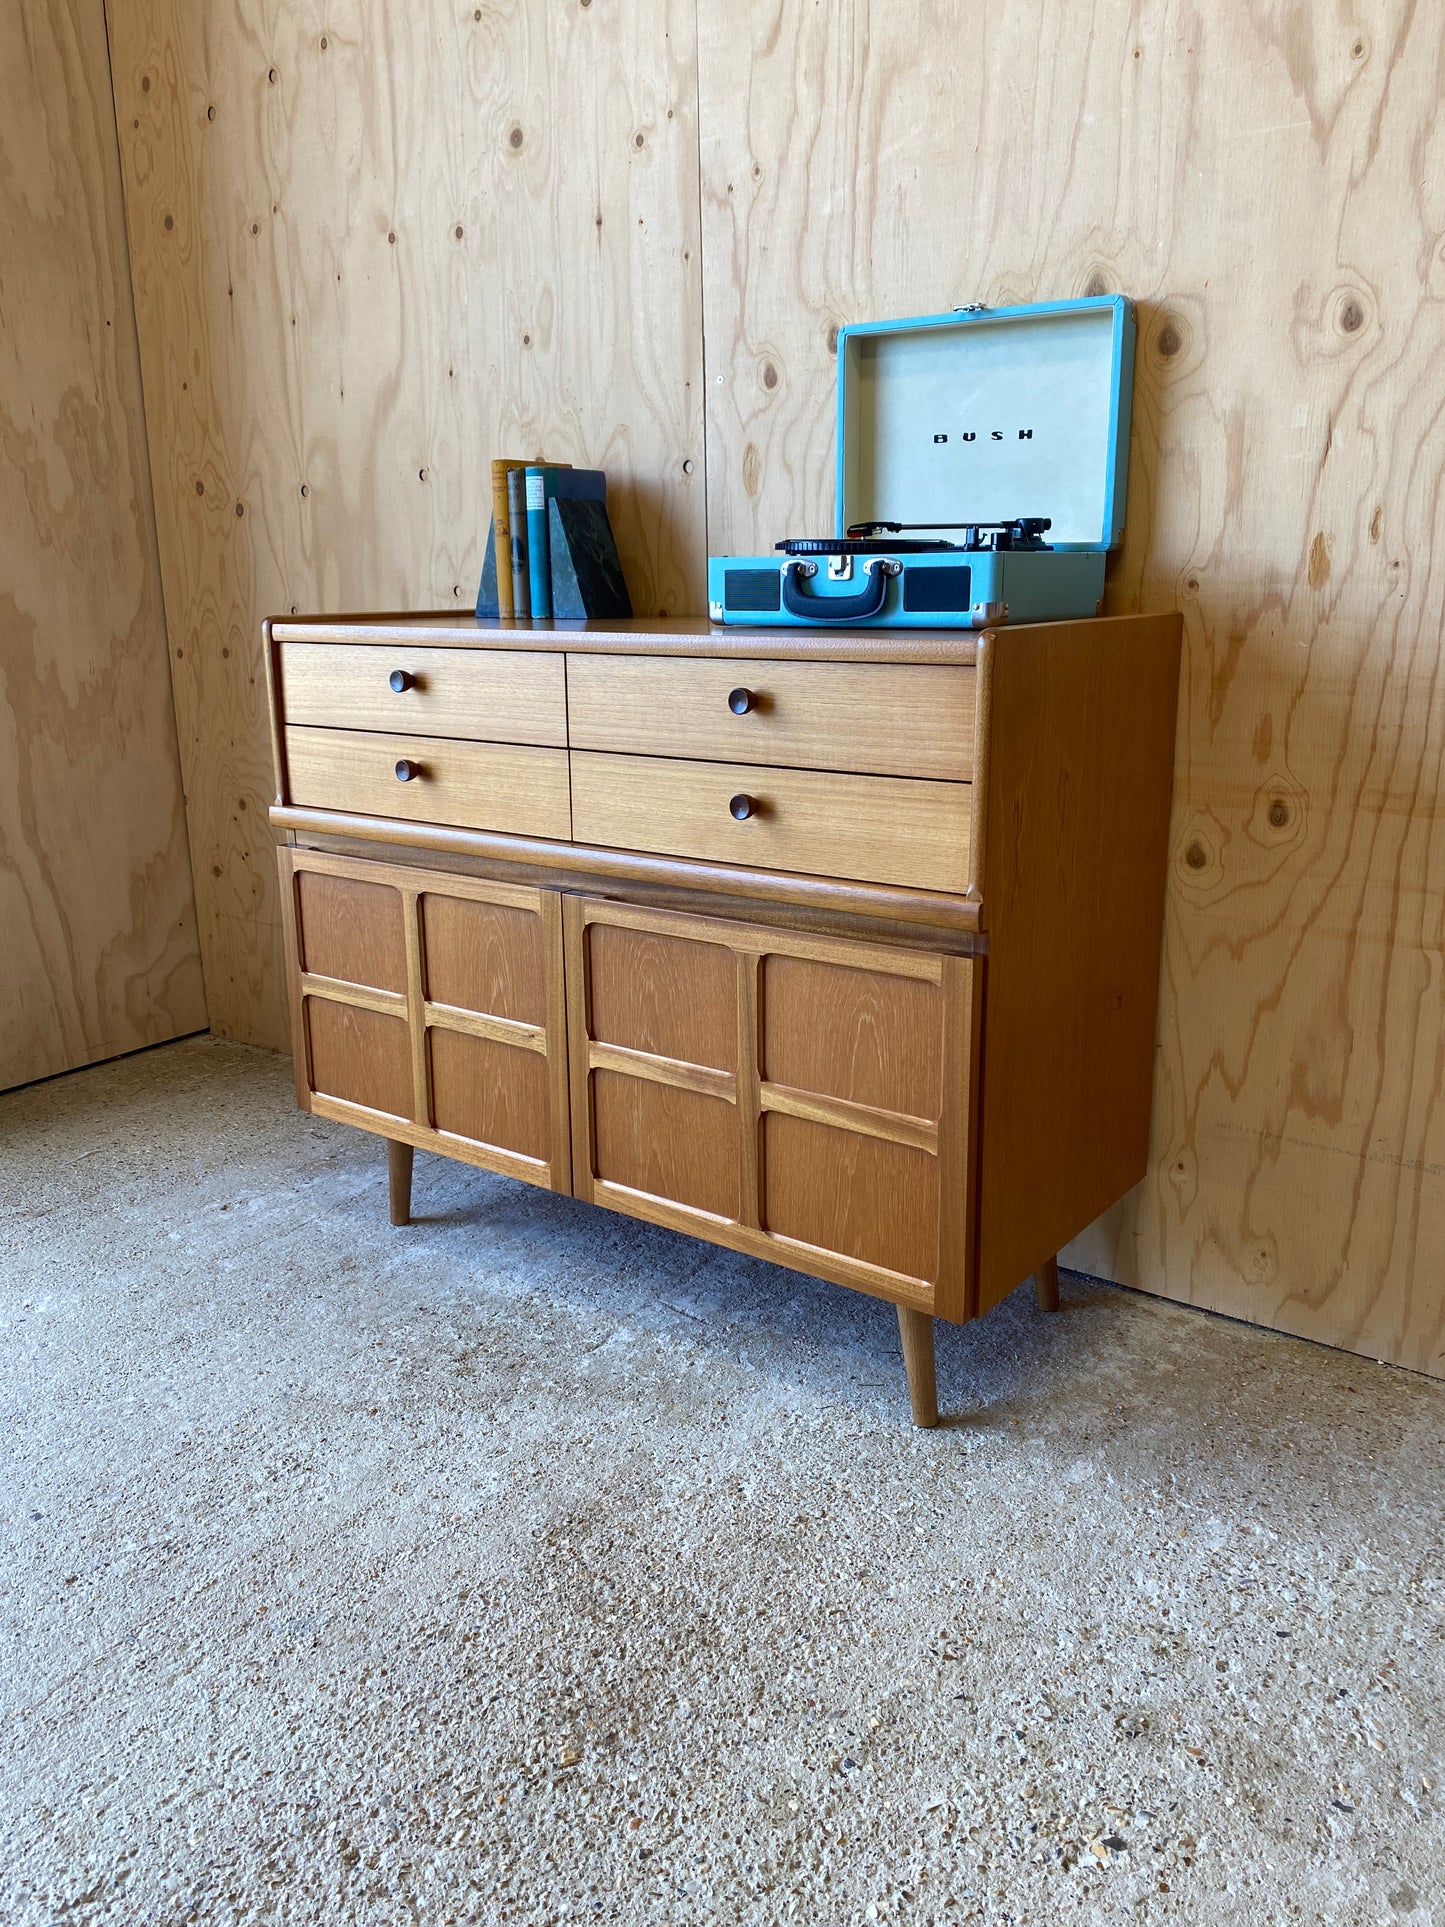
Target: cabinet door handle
{"type": "Point", "coordinates": [742, 807]}
{"type": "Point", "coordinates": [740, 701]}
{"type": "Point", "coordinates": [409, 772]}
{"type": "Point", "coordinates": [401, 679]}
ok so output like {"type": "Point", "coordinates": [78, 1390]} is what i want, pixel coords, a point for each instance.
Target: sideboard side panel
{"type": "Point", "coordinates": [1076, 822]}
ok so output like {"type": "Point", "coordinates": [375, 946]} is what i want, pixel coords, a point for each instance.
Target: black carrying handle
{"type": "Point", "coordinates": [835, 608]}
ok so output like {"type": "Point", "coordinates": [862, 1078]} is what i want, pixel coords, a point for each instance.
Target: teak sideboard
{"type": "Point", "coordinates": [840, 949]}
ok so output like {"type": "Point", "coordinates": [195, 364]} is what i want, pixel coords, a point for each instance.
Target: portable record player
{"type": "Point", "coordinates": [982, 468]}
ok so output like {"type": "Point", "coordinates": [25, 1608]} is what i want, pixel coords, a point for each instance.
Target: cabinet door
{"type": "Point", "coordinates": [801, 1098]}
{"type": "Point", "coordinates": [429, 1008]}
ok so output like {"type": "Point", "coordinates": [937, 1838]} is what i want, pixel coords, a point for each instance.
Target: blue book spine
{"type": "Point", "coordinates": [539, 545]}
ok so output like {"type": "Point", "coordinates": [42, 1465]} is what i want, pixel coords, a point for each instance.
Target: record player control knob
{"type": "Point", "coordinates": [401, 679]}
{"type": "Point", "coordinates": [742, 807]}
{"type": "Point", "coordinates": [407, 771]}
{"type": "Point", "coordinates": [740, 701]}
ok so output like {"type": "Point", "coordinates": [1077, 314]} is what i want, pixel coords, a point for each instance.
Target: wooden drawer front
{"type": "Point", "coordinates": [873, 829]}
{"type": "Point", "coordinates": [475, 786]}
{"type": "Point", "coordinates": [804, 1099]}
{"type": "Point", "coordinates": [430, 1008]}
{"type": "Point", "coordinates": [873, 718]}
{"type": "Point", "coordinates": [489, 695]}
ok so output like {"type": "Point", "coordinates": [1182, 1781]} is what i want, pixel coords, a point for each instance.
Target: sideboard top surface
{"type": "Point", "coordinates": [646, 636]}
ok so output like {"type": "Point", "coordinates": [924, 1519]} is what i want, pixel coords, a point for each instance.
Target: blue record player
{"type": "Point", "coordinates": [982, 466]}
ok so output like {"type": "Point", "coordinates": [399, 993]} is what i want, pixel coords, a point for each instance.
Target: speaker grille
{"type": "Point", "coordinates": [936, 592]}
{"type": "Point", "coordinates": [754, 590]}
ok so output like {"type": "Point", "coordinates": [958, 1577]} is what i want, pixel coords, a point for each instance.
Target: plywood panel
{"type": "Point", "coordinates": [1269, 183]}
{"type": "Point", "coordinates": [372, 247]}
{"type": "Point", "coordinates": [98, 949]}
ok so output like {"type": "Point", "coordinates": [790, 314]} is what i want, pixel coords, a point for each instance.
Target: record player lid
{"type": "Point", "coordinates": [987, 414]}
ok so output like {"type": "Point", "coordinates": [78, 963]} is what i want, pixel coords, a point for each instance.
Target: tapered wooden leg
{"type": "Point", "coordinates": [398, 1170]}
{"type": "Point", "coordinates": [1046, 1284]}
{"type": "Point", "coordinates": [915, 1328]}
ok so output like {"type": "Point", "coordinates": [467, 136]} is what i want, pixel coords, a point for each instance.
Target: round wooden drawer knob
{"type": "Point", "coordinates": [742, 807]}
{"type": "Point", "coordinates": [401, 679]}
{"type": "Point", "coordinates": [740, 701]}
{"type": "Point", "coordinates": [407, 771]}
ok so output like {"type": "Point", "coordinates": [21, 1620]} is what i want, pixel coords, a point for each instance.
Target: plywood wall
{"type": "Point", "coordinates": [375, 245]}
{"type": "Point", "coordinates": [1269, 183]}
{"type": "Point", "coordinates": [98, 949]}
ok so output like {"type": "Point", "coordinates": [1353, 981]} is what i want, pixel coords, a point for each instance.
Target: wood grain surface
{"type": "Point", "coordinates": [496, 696]}
{"type": "Point", "coordinates": [371, 249]}
{"type": "Point", "coordinates": [1269, 184]}
{"type": "Point", "coordinates": [880, 718]}
{"type": "Point", "coordinates": [98, 948]}
{"type": "Point", "coordinates": [511, 788]}
{"type": "Point", "coordinates": [673, 1120]}
{"type": "Point", "coordinates": [873, 829]}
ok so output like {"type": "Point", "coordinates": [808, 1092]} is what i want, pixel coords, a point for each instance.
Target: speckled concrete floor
{"type": "Point", "coordinates": [531, 1565]}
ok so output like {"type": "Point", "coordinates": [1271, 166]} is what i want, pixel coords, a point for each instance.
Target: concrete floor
{"type": "Point", "coordinates": [532, 1565]}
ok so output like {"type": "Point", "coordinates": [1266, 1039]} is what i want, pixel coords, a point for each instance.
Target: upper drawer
{"type": "Point", "coordinates": [474, 786]}
{"type": "Point", "coordinates": [490, 695]}
{"type": "Point", "coordinates": [890, 719]}
{"type": "Point", "coordinates": [870, 829]}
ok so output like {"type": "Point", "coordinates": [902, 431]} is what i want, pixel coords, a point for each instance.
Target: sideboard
{"type": "Point", "coordinates": [840, 949]}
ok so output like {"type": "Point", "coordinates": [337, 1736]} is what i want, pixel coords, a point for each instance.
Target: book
{"type": "Point", "coordinates": [502, 535]}
{"type": "Point", "coordinates": [517, 531]}
{"type": "Point", "coordinates": [587, 578]}
{"type": "Point", "coordinates": [545, 482]}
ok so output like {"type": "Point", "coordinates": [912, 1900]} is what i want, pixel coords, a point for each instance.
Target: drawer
{"type": "Point", "coordinates": [475, 786]}
{"type": "Point", "coordinates": [492, 695]}
{"type": "Point", "coordinates": [874, 829]}
{"type": "Point", "coordinates": [891, 719]}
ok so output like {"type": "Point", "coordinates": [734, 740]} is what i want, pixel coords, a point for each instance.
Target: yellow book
{"type": "Point", "coordinates": [502, 538]}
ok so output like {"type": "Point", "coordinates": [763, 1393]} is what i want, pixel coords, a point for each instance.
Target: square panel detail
{"type": "Point", "coordinates": [861, 1035]}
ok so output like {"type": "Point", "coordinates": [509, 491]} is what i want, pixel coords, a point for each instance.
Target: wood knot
{"type": "Point", "coordinates": [1352, 315]}
{"type": "Point", "coordinates": [515, 139]}
{"type": "Point", "coordinates": [833, 339]}
{"type": "Point", "coordinates": [1278, 813]}
{"type": "Point", "coordinates": [1170, 341]}
{"type": "Point", "coordinates": [769, 376]}
{"type": "Point", "coordinates": [1096, 284]}
{"type": "Point", "coordinates": [1197, 857]}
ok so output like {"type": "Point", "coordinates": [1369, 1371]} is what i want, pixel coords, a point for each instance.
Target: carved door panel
{"type": "Point", "coordinates": [429, 1008]}
{"type": "Point", "coordinates": [803, 1098]}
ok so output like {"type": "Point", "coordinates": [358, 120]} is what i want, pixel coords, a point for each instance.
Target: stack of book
{"type": "Point", "coordinates": [551, 553]}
